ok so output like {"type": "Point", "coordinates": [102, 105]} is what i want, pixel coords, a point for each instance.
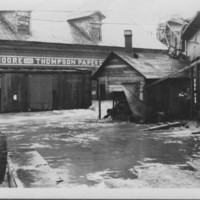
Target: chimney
{"type": "Point", "coordinates": [128, 42]}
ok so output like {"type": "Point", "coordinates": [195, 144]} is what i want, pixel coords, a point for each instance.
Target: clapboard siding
{"type": "Point", "coordinates": [120, 80]}
{"type": "Point", "coordinates": [119, 71]}
{"type": "Point", "coordinates": [116, 72]}
{"type": "Point", "coordinates": [115, 61]}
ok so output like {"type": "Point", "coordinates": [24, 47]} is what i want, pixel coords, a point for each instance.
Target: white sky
{"type": "Point", "coordinates": [144, 12]}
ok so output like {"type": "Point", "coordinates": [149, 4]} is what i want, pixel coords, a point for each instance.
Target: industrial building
{"type": "Point", "coordinates": [47, 58]}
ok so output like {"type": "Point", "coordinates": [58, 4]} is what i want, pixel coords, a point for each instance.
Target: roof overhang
{"type": "Point", "coordinates": [42, 70]}
{"type": "Point", "coordinates": [192, 27]}
{"type": "Point", "coordinates": [84, 16]}
{"type": "Point", "coordinates": [95, 75]}
{"type": "Point", "coordinates": [148, 74]}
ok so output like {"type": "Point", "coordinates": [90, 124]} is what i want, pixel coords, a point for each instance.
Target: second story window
{"type": "Point", "coordinates": [23, 22]}
{"type": "Point", "coordinates": [89, 25]}
{"type": "Point", "coordinates": [96, 30]}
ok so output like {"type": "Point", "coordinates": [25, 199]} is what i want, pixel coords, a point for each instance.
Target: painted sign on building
{"type": "Point", "coordinates": [49, 61]}
{"type": "Point", "coordinates": [115, 88]}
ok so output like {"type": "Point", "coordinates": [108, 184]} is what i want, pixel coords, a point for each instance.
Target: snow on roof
{"type": "Point", "coordinates": [113, 35]}
{"type": "Point", "coordinates": [149, 65]}
{"type": "Point", "coordinates": [6, 33]}
{"type": "Point", "coordinates": [177, 20]}
{"type": "Point", "coordinates": [52, 27]}
{"type": "Point", "coordinates": [83, 14]}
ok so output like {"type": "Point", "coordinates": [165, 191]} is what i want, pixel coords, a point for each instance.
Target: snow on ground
{"type": "Point", "coordinates": [53, 116]}
{"type": "Point", "coordinates": [154, 175]}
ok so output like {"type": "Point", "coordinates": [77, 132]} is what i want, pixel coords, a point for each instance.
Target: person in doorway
{"type": "Point", "coordinates": [109, 113]}
{"type": "Point", "coordinates": [184, 100]}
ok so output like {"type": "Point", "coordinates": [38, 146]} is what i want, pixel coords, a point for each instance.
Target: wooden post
{"type": "Point", "coordinates": [99, 98]}
{"type": "Point", "coordinates": [197, 88]}
{"type": "Point", "coordinates": [192, 93]}
{"type": "Point", "coordinates": [3, 156]}
{"type": "Point", "coordinates": [1, 96]}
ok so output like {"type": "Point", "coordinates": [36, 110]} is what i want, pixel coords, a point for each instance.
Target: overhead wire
{"type": "Point", "coordinates": [117, 23]}
{"type": "Point", "coordinates": [111, 23]}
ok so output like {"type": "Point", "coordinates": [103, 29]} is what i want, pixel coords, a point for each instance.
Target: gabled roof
{"type": "Point", "coordinates": [6, 33]}
{"type": "Point", "coordinates": [80, 15]}
{"type": "Point", "coordinates": [52, 27]}
{"type": "Point", "coordinates": [176, 20]}
{"type": "Point", "coordinates": [149, 65]}
{"type": "Point", "coordinates": [192, 27]}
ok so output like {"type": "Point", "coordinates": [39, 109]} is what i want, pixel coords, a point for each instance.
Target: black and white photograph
{"type": "Point", "coordinates": [101, 96]}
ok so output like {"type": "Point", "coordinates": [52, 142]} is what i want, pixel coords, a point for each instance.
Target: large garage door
{"type": "Point", "coordinates": [14, 92]}
{"type": "Point", "coordinates": [40, 92]}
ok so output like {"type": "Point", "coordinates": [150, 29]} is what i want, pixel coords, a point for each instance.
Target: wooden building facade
{"type": "Point", "coordinates": [169, 33]}
{"type": "Point", "coordinates": [191, 38]}
{"type": "Point", "coordinates": [122, 75]}
{"type": "Point", "coordinates": [44, 63]}
{"type": "Point", "coordinates": [191, 41]}
{"type": "Point", "coordinates": [39, 76]}
{"type": "Point", "coordinates": [37, 90]}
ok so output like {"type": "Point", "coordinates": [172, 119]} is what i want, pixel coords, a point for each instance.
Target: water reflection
{"type": "Point", "coordinates": [85, 152]}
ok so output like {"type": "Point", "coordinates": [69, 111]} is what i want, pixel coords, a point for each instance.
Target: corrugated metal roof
{"type": "Point", "coordinates": [52, 27]}
{"type": "Point", "coordinates": [150, 65]}
{"type": "Point", "coordinates": [192, 27]}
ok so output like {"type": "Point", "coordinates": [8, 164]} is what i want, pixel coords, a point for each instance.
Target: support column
{"type": "Point", "coordinates": [192, 94]}
{"type": "Point", "coordinates": [197, 88]}
{"type": "Point", "coordinates": [99, 97]}
{"type": "Point", "coordinates": [3, 156]}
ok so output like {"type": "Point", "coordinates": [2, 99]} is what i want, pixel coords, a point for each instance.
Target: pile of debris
{"type": "Point", "coordinates": [192, 125]}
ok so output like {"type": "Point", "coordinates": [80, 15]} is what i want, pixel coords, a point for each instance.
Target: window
{"type": "Point", "coordinates": [23, 22]}
{"type": "Point", "coordinates": [94, 88]}
{"type": "Point", "coordinates": [96, 33]}
{"type": "Point", "coordinates": [96, 30]}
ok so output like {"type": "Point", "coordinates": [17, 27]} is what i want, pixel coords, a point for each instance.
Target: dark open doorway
{"type": "Point", "coordinates": [103, 91]}
{"type": "Point", "coordinates": [120, 106]}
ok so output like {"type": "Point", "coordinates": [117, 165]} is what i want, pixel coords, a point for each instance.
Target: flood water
{"type": "Point", "coordinates": [87, 153]}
